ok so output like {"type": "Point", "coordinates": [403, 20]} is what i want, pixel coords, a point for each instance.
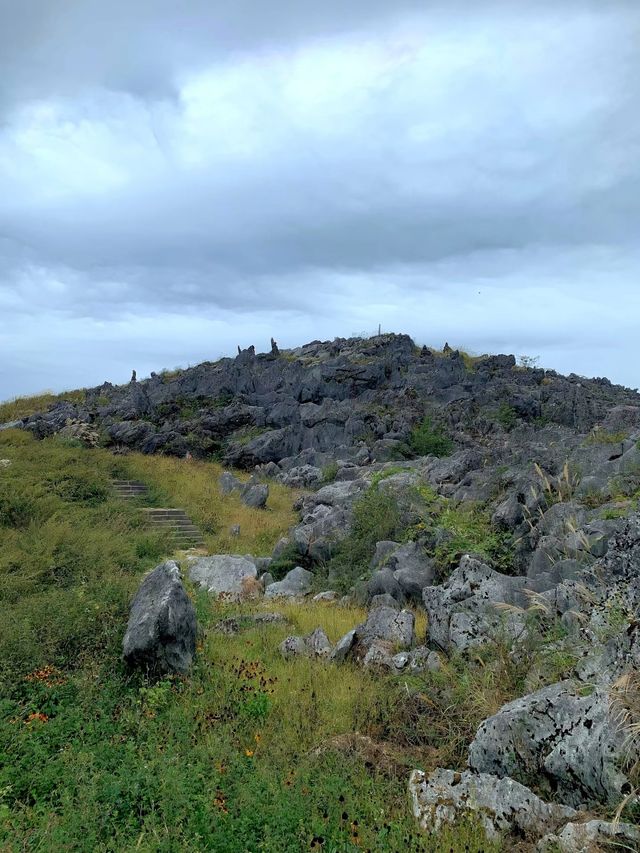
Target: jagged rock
{"type": "Point", "coordinates": [388, 625]}
{"type": "Point", "coordinates": [501, 804]}
{"type": "Point", "coordinates": [465, 611]}
{"type": "Point", "coordinates": [255, 495]}
{"type": "Point", "coordinates": [295, 583]}
{"type": "Point", "coordinates": [11, 425]}
{"type": "Point", "coordinates": [161, 631]}
{"type": "Point", "coordinates": [564, 737]}
{"type": "Point", "coordinates": [379, 655]}
{"type": "Point", "coordinates": [301, 477]}
{"type": "Point", "coordinates": [343, 647]}
{"type": "Point", "coordinates": [316, 644]}
{"type": "Point", "coordinates": [266, 579]}
{"type": "Point", "coordinates": [223, 575]}
{"type": "Point", "coordinates": [229, 484]}
{"type": "Point", "coordinates": [5, 463]}
{"type": "Point", "coordinates": [590, 837]}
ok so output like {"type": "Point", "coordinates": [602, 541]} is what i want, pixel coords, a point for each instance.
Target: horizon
{"type": "Point", "coordinates": [522, 360]}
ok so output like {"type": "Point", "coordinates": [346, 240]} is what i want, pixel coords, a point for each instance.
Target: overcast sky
{"type": "Point", "coordinates": [175, 181]}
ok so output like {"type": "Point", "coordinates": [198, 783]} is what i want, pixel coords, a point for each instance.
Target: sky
{"type": "Point", "coordinates": [178, 179]}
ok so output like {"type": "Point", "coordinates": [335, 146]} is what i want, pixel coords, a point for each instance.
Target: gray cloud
{"type": "Point", "coordinates": [449, 172]}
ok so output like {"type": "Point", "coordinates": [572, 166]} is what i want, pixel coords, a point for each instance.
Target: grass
{"type": "Point", "coordinates": [249, 753]}
{"type": "Point", "coordinates": [428, 438]}
{"type": "Point", "coordinates": [23, 407]}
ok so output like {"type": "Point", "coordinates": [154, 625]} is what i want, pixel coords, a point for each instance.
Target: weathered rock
{"type": "Point", "coordinates": [255, 495]}
{"type": "Point", "coordinates": [5, 463]}
{"type": "Point", "coordinates": [501, 804]}
{"type": "Point", "coordinates": [564, 737]}
{"type": "Point", "coordinates": [316, 644]}
{"type": "Point", "coordinates": [229, 484]}
{"type": "Point", "coordinates": [383, 582]}
{"type": "Point", "coordinates": [590, 837]}
{"type": "Point", "coordinates": [466, 610]}
{"type": "Point", "coordinates": [388, 625]}
{"type": "Point", "coordinates": [161, 632]}
{"type": "Point", "coordinates": [223, 575]}
{"type": "Point", "coordinates": [326, 595]}
{"type": "Point", "coordinates": [379, 655]}
{"type": "Point", "coordinates": [343, 647]}
{"type": "Point", "coordinates": [296, 583]}
{"type": "Point", "coordinates": [384, 600]}
{"type": "Point", "coordinates": [293, 647]}
{"type": "Point", "coordinates": [423, 659]}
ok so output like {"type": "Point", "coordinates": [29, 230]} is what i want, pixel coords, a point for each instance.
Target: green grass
{"type": "Point", "coordinates": [430, 439]}
{"type": "Point", "coordinates": [249, 753]}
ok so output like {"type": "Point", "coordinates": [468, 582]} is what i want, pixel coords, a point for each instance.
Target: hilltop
{"type": "Point", "coordinates": [420, 570]}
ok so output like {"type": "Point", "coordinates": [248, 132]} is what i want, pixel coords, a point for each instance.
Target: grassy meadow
{"type": "Point", "coordinates": [248, 753]}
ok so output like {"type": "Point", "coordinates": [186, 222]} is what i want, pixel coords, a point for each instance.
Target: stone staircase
{"type": "Point", "coordinates": [184, 532]}
{"type": "Point", "coordinates": [130, 489]}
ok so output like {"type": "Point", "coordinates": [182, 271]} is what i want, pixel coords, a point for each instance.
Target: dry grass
{"type": "Point", "coordinates": [193, 486]}
{"type": "Point", "coordinates": [23, 407]}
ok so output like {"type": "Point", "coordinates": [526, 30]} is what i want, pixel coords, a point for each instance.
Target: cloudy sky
{"type": "Point", "coordinates": [177, 178]}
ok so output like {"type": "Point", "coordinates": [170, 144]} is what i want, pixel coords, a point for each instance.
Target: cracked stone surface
{"type": "Point", "coordinates": [501, 804]}
{"type": "Point", "coordinates": [564, 738]}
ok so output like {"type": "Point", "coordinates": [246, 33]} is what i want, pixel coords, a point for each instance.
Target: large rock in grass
{"type": "Point", "coordinates": [566, 738]}
{"type": "Point", "coordinates": [161, 632]}
{"type": "Point", "coordinates": [295, 584]}
{"type": "Point", "coordinates": [224, 575]}
{"type": "Point", "coordinates": [501, 805]}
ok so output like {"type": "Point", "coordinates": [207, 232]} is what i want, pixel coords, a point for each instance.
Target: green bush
{"type": "Point", "coordinates": [376, 516]}
{"type": "Point", "coordinates": [430, 439]}
{"type": "Point", "coordinates": [506, 416]}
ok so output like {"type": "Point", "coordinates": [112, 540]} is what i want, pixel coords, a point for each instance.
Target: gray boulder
{"type": "Point", "coordinates": [564, 737]}
{"type": "Point", "coordinates": [500, 804]}
{"type": "Point", "coordinates": [316, 644]}
{"type": "Point", "coordinates": [383, 582]}
{"type": "Point", "coordinates": [229, 484]}
{"type": "Point", "coordinates": [161, 632]}
{"type": "Point", "coordinates": [592, 836]}
{"type": "Point", "coordinates": [296, 583]}
{"type": "Point", "coordinates": [343, 647]}
{"type": "Point", "coordinates": [223, 575]}
{"type": "Point", "coordinates": [388, 625]}
{"type": "Point", "coordinates": [468, 610]}
{"type": "Point", "coordinates": [255, 495]}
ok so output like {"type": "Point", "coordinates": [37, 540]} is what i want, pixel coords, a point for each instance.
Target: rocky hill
{"type": "Point", "coordinates": [500, 500]}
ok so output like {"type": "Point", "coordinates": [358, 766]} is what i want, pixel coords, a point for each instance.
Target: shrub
{"type": "Point", "coordinates": [506, 416]}
{"type": "Point", "coordinates": [429, 439]}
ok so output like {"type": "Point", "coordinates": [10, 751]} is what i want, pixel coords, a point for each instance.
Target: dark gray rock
{"type": "Point", "coordinates": [161, 632]}
{"type": "Point", "coordinates": [255, 495]}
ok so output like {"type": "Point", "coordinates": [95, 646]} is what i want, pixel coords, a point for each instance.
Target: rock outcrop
{"type": "Point", "coordinates": [161, 632]}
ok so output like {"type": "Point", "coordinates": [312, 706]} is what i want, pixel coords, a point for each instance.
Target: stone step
{"type": "Point", "coordinates": [174, 520]}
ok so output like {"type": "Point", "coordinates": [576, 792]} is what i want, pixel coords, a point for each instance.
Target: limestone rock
{"type": "Point", "coordinates": [223, 575]}
{"type": "Point", "coordinates": [565, 737]}
{"type": "Point", "coordinates": [501, 804]}
{"type": "Point", "coordinates": [296, 583]}
{"type": "Point", "coordinates": [161, 631]}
